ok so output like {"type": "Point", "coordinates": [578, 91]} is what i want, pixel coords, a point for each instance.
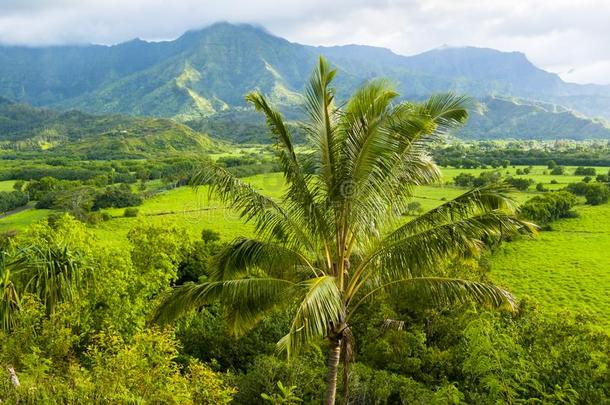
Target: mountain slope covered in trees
{"type": "Point", "coordinates": [23, 127]}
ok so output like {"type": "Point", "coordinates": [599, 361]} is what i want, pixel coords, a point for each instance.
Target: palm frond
{"type": "Point", "coordinates": [319, 97]}
{"type": "Point", "coordinates": [53, 273]}
{"type": "Point", "coordinates": [429, 248]}
{"type": "Point", "coordinates": [246, 300]}
{"type": "Point", "coordinates": [10, 302]}
{"type": "Point", "coordinates": [416, 254]}
{"type": "Point", "coordinates": [476, 201]}
{"type": "Point", "coordinates": [441, 292]}
{"type": "Point", "coordinates": [448, 111]}
{"type": "Point", "coordinates": [300, 194]}
{"type": "Point", "coordinates": [244, 254]}
{"type": "Point", "coordinates": [269, 218]}
{"type": "Point", "coordinates": [320, 310]}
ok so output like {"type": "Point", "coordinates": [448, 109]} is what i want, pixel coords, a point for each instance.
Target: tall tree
{"type": "Point", "coordinates": [337, 238]}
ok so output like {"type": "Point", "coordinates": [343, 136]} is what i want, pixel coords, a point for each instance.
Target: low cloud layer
{"type": "Point", "coordinates": [562, 36]}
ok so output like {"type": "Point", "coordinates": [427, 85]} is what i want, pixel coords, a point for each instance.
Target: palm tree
{"type": "Point", "coordinates": [51, 272]}
{"type": "Point", "coordinates": [9, 296]}
{"type": "Point", "coordinates": [337, 238]}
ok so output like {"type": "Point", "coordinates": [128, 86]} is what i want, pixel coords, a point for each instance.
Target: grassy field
{"type": "Point", "coordinates": [7, 185]}
{"type": "Point", "coordinates": [22, 219]}
{"type": "Point", "coordinates": [567, 267]}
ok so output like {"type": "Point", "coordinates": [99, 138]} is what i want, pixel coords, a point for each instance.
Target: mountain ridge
{"type": "Point", "coordinates": [208, 71]}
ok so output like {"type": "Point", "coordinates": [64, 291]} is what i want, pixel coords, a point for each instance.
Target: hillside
{"type": "Point", "coordinates": [23, 127]}
{"type": "Point", "coordinates": [207, 71]}
{"type": "Point", "coordinates": [502, 118]}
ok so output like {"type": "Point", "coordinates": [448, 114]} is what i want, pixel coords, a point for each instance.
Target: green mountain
{"type": "Point", "coordinates": [27, 128]}
{"type": "Point", "coordinates": [501, 118]}
{"type": "Point", "coordinates": [202, 76]}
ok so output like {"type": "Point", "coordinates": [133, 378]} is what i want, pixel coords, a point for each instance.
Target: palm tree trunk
{"type": "Point", "coordinates": [334, 353]}
{"type": "Point", "coordinates": [345, 381]}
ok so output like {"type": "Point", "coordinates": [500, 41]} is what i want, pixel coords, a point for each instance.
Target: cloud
{"type": "Point", "coordinates": [558, 35]}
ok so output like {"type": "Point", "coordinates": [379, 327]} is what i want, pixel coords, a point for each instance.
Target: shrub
{"type": "Point", "coordinates": [558, 170]}
{"type": "Point", "coordinates": [12, 200]}
{"type": "Point", "coordinates": [540, 187]}
{"type": "Point", "coordinates": [117, 197]}
{"type": "Point", "coordinates": [464, 180]}
{"type": "Point", "coordinates": [584, 171]}
{"type": "Point", "coordinates": [577, 188]}
{"type": "Point", "coordinates": [520, 183]}
{"type": "Point", "coordinates": [131, 212]}
{"type": "Point", "coordinates": [413, 208]}
{"type": "Point", "coordinates": [209, 235]}
{"type": "Point", "coordinates": [597, 194]}
{"type": "Point", "coordinates": [601, 178]}
{"type": "Point", "coordinates": [549, 207]}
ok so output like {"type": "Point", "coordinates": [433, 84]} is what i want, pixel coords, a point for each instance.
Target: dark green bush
{"type": "Point", "coordinates": [549, 207]}
{"type": "Point", "coordinates": [131, 212]}
{"type": "Point", "coordinates": [117, 197]}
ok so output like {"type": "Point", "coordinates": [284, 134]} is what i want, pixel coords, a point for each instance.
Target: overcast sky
{"type": "Point", "coordinates": [570, 37]}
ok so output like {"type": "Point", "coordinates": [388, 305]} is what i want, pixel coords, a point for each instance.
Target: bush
{"type": "Point", "coordinates": [131, 212]}
{"type": "Point", "coordinates": [597, 194]}
{"type": "Point", "coordinates": [413, 208]}
{"type": "Point", "coordinates": [549, 207]}
{"type": "Point", "coordinates": [464, 180]}
{"type": "Point", "coordinates": [117, 197]}
{"type": "Point", "coordinates": [540, 187]}
{"type": "Point", "coordinates": [584, 171]}
{"type": "Point", "coordinates": [12, 200]}
{"type": "Point", "coordinates": [558, 171]}
{"type": "Point", "coordinates": [209, 235]}
{"type": "Point", "coordinates": [579, 188]}
{"type": "Point", "coordinates": [519, 183]}
{"type": "Point", "coordinates": [594, 193]}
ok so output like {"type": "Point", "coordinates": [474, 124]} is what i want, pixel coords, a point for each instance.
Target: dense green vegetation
{"type": "Point", "coordinates": [73, 133]}
{"type": "Point", "coordinates": [497, 154]}
{"type": "Point", "coordinates": [436, 356]}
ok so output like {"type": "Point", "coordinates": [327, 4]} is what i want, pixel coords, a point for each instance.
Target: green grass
{"type": "Point", "coordinates": [22, 219]}
{"type": "Point", "coordinates": [566, 268]}
{"type": "Point", "coordinates": [7, 185]}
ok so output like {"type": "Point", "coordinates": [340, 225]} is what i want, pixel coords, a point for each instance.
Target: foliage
{"type": "Point", "coordinates": [549, 207]}
{"type": "Point", "coordinates": [286, 396]}
{"type": "Point", "coordinates": [520, 184]}
{"type": "Point", "coordinates": [118, 197]}
{"type": "Point", "coordinates": [12, 200]}
{"type": "Point", "coordinates": [594, 193]}
{"type": "Point", "coordinates": [558, 171]}
{"type": "Point", "coordinates": [584, 171]}
{"type": "Point", "coordinates": [597, 194]}
{"type": "Point", "coordinates": [131, 212]}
